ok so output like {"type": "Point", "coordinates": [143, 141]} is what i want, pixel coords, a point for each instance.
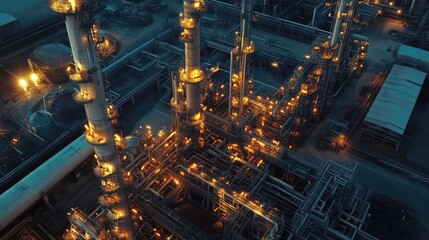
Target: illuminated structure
{"type": "Point", "coordinates": [329, 53]}
{"type": "Point", "coordinates": [239, 71]}
{"type": "Point", "coordinates": [330, 65]}
{"type": "Point", "coordinates": [243, 174]}
{"type": "Point", "coordinates": [188, 113]}
{"type": "Point", "coordinates": [98, 131]}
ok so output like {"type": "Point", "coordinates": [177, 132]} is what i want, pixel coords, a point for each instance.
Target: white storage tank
{"type": "Point", "coordinates": [41, 123]}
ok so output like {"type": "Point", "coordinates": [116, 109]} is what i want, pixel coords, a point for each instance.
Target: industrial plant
{"type": "Point", "coordinates": [214, 119]}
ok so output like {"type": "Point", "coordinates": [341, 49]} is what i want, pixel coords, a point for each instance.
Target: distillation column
{"type": "Point", "coordinates": [327, 56]}
{"type": "Point", "coordinates": [239, 71]}
{"type": "Point", "coordinates": [192, 75]}
{"type": "Point", "coordinates": [99, 131]}
{"type": "Point", "coordinates": [338, 22]}
{"type": "Point", "coordinates": [345, 20]}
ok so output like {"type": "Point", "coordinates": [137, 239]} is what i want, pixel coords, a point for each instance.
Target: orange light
{"type": "Point", "coordinates": [34, 78]}
{"type": "Point", "coordinates": [176, 182]}
{"type": "Point", "coordinates": [23, 83]}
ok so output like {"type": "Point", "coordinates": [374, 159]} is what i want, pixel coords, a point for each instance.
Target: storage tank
{"type": "Point", "coordinates": [63, 107]}
{"type": "Point", "coordinates": [41, 123]}
{"type": "Point", "coordinates": [52, 60]}
{"type": "Point", "coordinates": [132, 145]}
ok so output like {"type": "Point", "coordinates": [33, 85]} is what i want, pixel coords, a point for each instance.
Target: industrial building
{"type": "Point", "coordinates": [9, 26]}
{"type": "Point", "coordinates": [242, 89]}
{"type": "Point", "coordinates": [389, 114]}
{"type": "Point", "coordinates": [414, 57]}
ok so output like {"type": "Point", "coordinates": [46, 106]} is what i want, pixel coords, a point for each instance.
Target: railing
{"type": "Point", "coordinates": [196, 76]}
{"type": "Point", "coordinates": [187, 23]}
{"type": "Point", "coordinates": [94, 138]}
{"type": "Point", "coordinates": [115, 215]}
{"type": "Point", "coordinates": [79, 77]}
{"type": "Point", "coordinates": [109, 187]}
{"type": "Point", "coordinates": [82, 97]}
{"type": "Point", "coordinates": [109, 200]}
{"type": "Point", "coordinates": [103, 170]}
{"type": "Point", "coordinates": [66, 6]}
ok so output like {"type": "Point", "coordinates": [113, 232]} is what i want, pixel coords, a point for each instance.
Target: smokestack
{"type": "Point", "coordinates": [99, 131]}
{"type": "Point", "coordinates": [239, 73]}
{"type": "Point", "coordinates": [191, 74]}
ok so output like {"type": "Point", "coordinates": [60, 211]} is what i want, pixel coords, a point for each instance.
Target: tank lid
{"type": "Point", "coordinates": [131, 141]}
{"type": "Point", "coordinates": [52, 55]}
{"type": "Point", "coordinates": [39, 119]}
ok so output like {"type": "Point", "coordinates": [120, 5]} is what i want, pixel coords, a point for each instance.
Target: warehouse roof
{"type": "Point", "coordinates": [414, 53]}
{"type": "Point", "coordinates": [394, 103]}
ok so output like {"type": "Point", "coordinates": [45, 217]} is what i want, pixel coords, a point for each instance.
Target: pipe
{"type": "Point", "coordinates": [313, 20]}
{"type": "Point", "coordinates": [26, 192]}
{"type": "Point", "coordinates": [276, 21]}
{"type": "Point", "coordinates": [99, 131]}
{"type": "Point", "coordinates": [337, 26]}
{"type": "Point", "coordinates": [127, 57]}
{"type": "Point", "coordinates": [293, 26]}
{"type": "Point", "coordinates": [258, 212]}
{"type": "Point", "coordinates": [413, 3]}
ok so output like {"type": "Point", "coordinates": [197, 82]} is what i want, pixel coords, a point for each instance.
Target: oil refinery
{"type": "Point", "coordinates": [214, 119]}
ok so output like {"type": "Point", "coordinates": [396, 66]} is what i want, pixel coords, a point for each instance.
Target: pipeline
{"type": "Point", "coordinates": [276, 21]}
{"type": "Point", "coordinates": [30, 189]}
{"type": "Point", "coordinates": [126, 58]}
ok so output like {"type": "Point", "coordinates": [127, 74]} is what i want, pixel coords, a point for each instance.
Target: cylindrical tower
{"type": "Point", "coordinates": [191, 74]}
{"type": "Point", "coordinates": [98, 131]}
{"type": "Point", "coordinates": [344, 41]}
{"type": "Point", "coordinates": [239, 72]}
{"type": "Point", "coordinates": [338, 22]}
{"type": "Point", "coordinates": [324, 78]}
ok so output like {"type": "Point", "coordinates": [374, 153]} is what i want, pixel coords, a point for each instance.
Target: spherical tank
{"type": "Point", "coordinates": [52, 60]}
{"type": "Point", "coordinates": [41, 123]}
